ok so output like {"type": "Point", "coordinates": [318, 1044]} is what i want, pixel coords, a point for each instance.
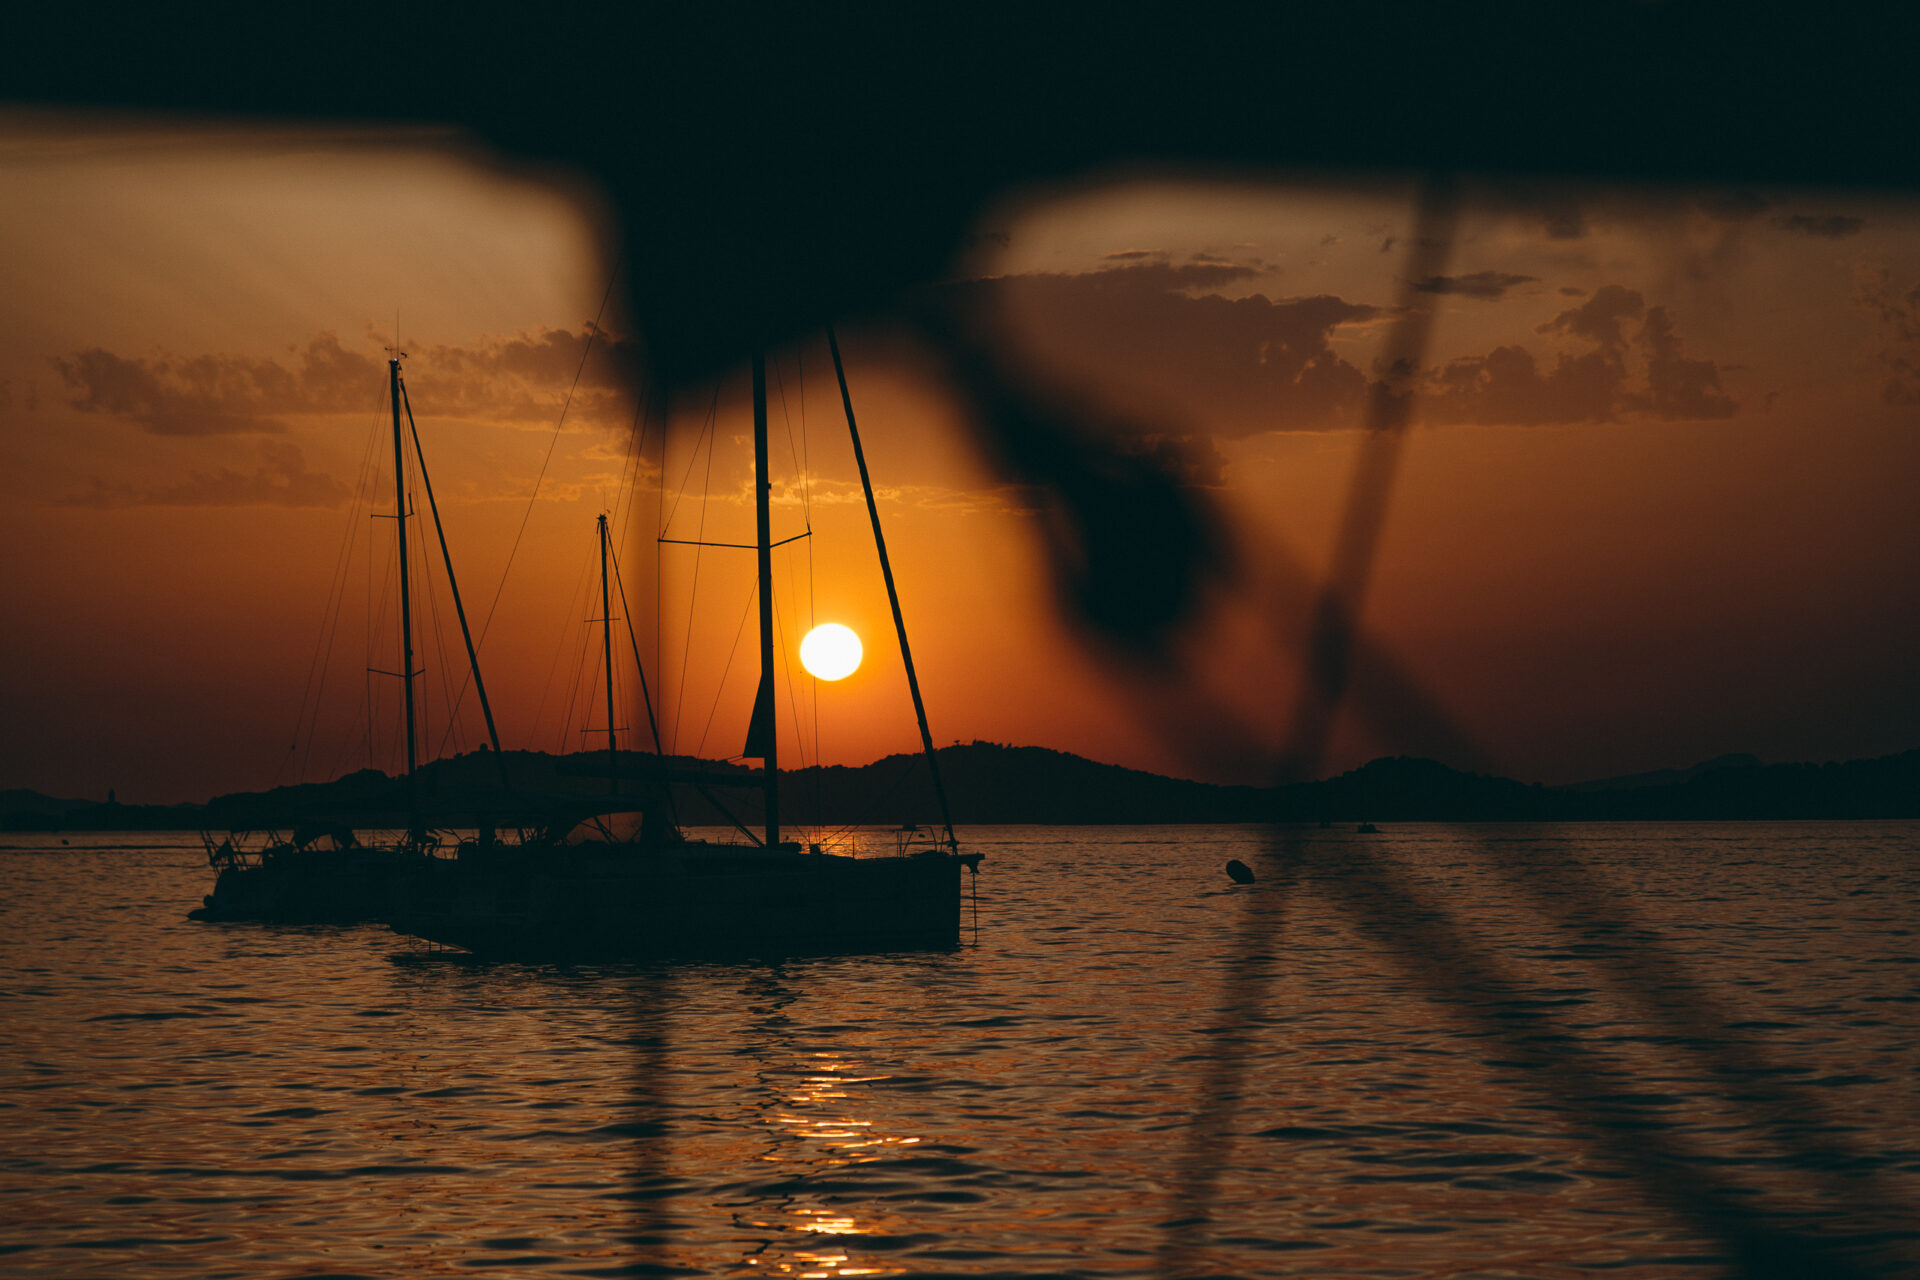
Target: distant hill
{"type": "Point", "coordinates": [1667, 777]}
{"type": "Point", "coordinates": [19, 800]}
{"type": "Point", "coordinates": [990, 783]}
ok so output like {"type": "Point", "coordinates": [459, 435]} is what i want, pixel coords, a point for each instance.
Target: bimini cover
{"type": "Point", "coordinates": [608, 828]}
{"type": "Point", "coordinates": [324, 837]}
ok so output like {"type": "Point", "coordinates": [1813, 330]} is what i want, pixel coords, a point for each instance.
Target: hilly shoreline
{"type": "Point", "coordinates": [989, 783]}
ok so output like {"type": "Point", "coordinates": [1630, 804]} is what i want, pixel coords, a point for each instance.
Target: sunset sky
{"type": "Point", "coordinates": [1658, 504]}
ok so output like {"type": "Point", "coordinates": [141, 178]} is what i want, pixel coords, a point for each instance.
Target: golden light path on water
{"type": "Point", "coordinates": [817, 1113]}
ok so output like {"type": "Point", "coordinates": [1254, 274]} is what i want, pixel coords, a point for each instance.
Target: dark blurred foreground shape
{"type": "Point", "coordinates": [775, 168]}
{"type": "Point", "coordinates": [771, 171]}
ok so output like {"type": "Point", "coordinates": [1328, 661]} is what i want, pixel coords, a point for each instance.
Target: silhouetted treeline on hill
{"type": "Point", "coordinates": [990, 784]}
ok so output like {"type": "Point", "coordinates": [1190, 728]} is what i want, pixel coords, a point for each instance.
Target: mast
{"type": "Point", "coordinates": [606, 645]}
{"type": "Point", "coordinates": [893, 597]}
{"type": "Point", "coordinates": [770, 763]}
{"type": "Point", "coordinates": [406, 607]}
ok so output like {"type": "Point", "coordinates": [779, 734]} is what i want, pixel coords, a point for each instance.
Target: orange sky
{"type": "Point", "coordinates": [1658, 506]}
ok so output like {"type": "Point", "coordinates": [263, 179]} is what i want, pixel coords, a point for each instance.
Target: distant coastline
{"type": "Point", "coordinates": [994, 784]}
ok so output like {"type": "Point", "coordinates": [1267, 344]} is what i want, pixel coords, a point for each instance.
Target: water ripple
{"type": "Point", "coordinates": [192, 1100]}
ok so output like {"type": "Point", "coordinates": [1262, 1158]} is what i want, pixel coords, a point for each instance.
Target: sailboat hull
{"type": "Point", "coordinates": [569, 904]}
{"type": "Point", "coordinates": [312, 886]}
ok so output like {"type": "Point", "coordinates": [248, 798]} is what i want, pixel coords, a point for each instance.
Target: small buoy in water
{"type": "Point", "coordinates": [1239, 871]}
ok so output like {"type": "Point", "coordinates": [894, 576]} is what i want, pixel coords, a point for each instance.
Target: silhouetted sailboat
{"type": "Point", "coordinates": [323, 872]}
{"type": "Point", "coordinates": [625, 881]}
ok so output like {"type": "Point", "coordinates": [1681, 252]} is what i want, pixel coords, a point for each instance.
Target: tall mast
{"type": "Point", "coordinates": [893, 597]}
{"type": "Point", "coordinates": [606, 645]}
{"type": "Point", "coordinates": [770, 763]}
{"type": "Point", "coordinates": [406, 607]}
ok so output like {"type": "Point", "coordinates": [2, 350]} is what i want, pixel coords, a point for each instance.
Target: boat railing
{"type": "Point", "coordinates": [236, 849]}
{"type": "Point", "coordinates": [911, 840]}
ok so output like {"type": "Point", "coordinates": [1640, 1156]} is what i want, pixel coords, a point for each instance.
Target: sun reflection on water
{"type": "Point", "coordinates": [814, 1127]}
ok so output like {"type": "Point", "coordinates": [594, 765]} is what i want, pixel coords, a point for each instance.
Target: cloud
{"type": "Point", "coordinates": [1157, 341]}
{"type": "Point", "coordinates": [1151, 344]}
{"type": "Point", "coordinates": [522, 379]}
{"type": "Point", "coordinates": [1643, 376]}
{"type": "Point", "coordinates": [220, 394]}
{"type": "Point", "coordinates": [1131, 255]}
{"type": "Point", "coordinates": [1599, 317]}
{"type": "Point", "coordinates": [1898, 312]}
{"type": "Point", "coordinates": [281, 480]}
{"type": "Point", "coordinates": [1487, 285]}
{"type": "Point", "coordinates": [1826, 226]}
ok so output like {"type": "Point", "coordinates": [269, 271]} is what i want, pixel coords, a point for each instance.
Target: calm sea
{"type": "Point", "coordinates": [1636, 1050]}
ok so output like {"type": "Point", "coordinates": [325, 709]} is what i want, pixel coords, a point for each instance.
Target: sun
{"type": "Point", "coordinates": [830, 651]}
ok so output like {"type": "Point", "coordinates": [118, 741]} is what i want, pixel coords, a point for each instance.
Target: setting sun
{"type": "Point", "coordinates": [830, 651]}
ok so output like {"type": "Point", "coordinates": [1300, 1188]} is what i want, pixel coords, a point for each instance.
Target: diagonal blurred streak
{"type": "Point", "coordinates": [1327, 669]}
{"type": "Point", "coordinates": [1455, 966]}
{"type": "Point", "coordinates": [1333, 635]}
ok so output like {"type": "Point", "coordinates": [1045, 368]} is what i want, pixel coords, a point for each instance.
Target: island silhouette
{"type": "Point", "coordinates": [996, 784]}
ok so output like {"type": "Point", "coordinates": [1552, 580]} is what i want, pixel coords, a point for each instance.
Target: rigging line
{"type": "Point", "coordinates": [786, 669]}
{"type": "Point", "coordinates": [575, 607]}
{"type": "Point", "coordinates": [585, 351]}
{"type": "Point", "coordinates": [786, 416]}
{"type": "Point", "coordinates": [585, 693]}
{"type": "Point", "coordinates": [806, 461]}
{"type": "Point", "coordinates": [813, 620]}
{"type": "Point", "coordinates": [439, 644]}
{"type": "Point", "coordinates": [574, 703]}
{"type": "Point", "coordinates": [416, 549]}
{"type": "Point", "coordinates": [613, 674]}
{"type": "Point", "coordinates": [911, 766]}
{"type": "Point", "coordinates": [573, 694]}
{"type": "Point", "coordinates": [893, 594]}
{"type": "Point", "coordinates": [440, 650]}
{"type": "Point", "coordinates": [471, 672]}
{"type": "Point", "coordinates": [366, 651]}
{"type": "Point", "coordinates": [793, 588]}
{"type": "Point", "coordinates": [739, 631]}
{"type": "Point", "coordinates": [643, 415]}
{"type": "Point", "coordinates": [378, 613]}
{"type": "Point", "coordinates": [646, 694]}
{"type": "Point", "coordinates": [629, 470]}
{"type": "Point", "coordinates": [706, 429]}
{"type": "Point", "coordinates": [793, 450]}
{"type": "Point", "coordinates": [336, 604]}
{"type": "Point", "coordinates": [813, 615]}
{"type": "Point", "coordinates": [328, 615]}
{"type": "Point", "coordinates": [700, 531]}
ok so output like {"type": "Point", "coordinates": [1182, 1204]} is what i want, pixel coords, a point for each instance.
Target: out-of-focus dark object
{"type": "Point", "coordinates": [775, 168]}
{"type": "Point", "coordinates": [1239, 872]}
